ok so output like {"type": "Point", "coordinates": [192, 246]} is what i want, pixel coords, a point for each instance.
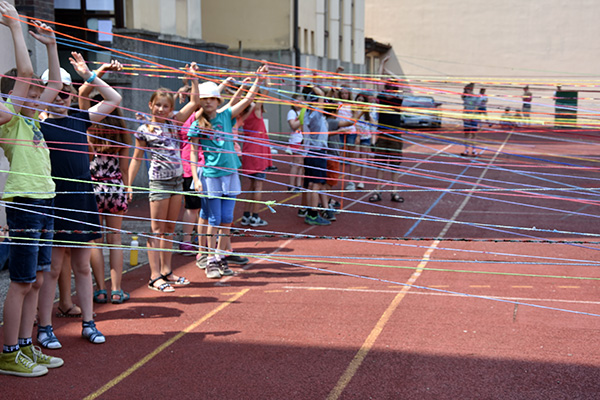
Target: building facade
{"type": "Point", "coordinates": [502, 44]}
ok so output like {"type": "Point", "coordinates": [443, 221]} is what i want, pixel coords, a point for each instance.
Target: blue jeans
{"type": "Point", "coordinates": [30, 251]}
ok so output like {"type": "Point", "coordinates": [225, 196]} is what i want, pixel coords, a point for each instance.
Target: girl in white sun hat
{"type": "Point", "coordinates": [219, 178]}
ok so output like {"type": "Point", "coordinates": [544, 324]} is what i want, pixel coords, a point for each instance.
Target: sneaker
{"type": "Point", "coordinates": [350, 186]}
{"type": "Point", "coordinates": [212, 270]}
{"type": "Point", "coordinates": [46, 338]}
{"type": "Point", "coordinates": [271, 168]}
{"type": "Point", "coordinates": [318, 220]}
{"type": "Point", "coordinates": [235, 259]}
{"type": "Point", "coordinates": [187, 249]}
{"type": "Point", "coordinates": [35, 354]}
{"type": "Point", "coordinates": [201, 260]}
{"type": "Point", "coordinates": [360, 185]}
{"type": "Point", "coordinates": [91, 333]}
{"type": "Point", "coordinates": [224, 268]}
{"type": "Point", "coordinates": [328, 215]}
{"type": "Point", "coordinates": [302, 212]}
{"type": "Point", "coordinates": [18, 364]}
{"type": "Point", "coordinates": [334, 204]}
{"type": "Point", "coordinates": [246, 220]}
{"type": "Point", "coordinates": [289, 151]}
{"type": "Point", "coordinates": [257, 221]}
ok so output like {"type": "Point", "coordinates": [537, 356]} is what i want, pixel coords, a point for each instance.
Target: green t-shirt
{"type": "Point", "coordinates": [27, 152]}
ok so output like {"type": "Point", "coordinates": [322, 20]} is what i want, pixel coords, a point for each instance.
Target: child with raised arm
{"type": "Point", "coordinates": [160, 136]}
{"type": "Point", "coordinates": [29, 194]}
{"type": "Point", "coordinates": [75, 204]}
{"type": "Point", "coordinates": [109, 143]}
{"type": "Point", "coordinates": [255, 160]}
{"type": "Point", "coordinates": [219, 179]}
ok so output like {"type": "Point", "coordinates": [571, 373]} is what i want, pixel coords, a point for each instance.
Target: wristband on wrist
{"type": "Point", "coordinates": [92, 77]}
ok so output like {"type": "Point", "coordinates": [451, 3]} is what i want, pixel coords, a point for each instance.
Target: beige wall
{"type": "Point", "coordinates": [269, 27]}
{"type": "Point", "coordinates": [263, 25]}
{"type": "Point", "coordinates": [170, 17]}
{"type": "Point", "coordinates": [495, 37]}
{"type": "Point", "coordinates": [540, 42]}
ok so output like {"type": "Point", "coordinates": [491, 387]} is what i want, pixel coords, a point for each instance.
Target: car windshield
{"type": "Point", "coordinates": [420, 102]}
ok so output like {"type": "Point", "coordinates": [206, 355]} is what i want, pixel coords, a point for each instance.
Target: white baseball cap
{"type": "Point", "coordinates": [65, 77]}
{"type": "Point", "coordinates": [209, 89]}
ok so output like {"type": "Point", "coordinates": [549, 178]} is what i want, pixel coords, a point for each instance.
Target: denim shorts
{"type": "Point", "coordinates": [30, 251]}
{"type": "Point", "coordinates": [164, 189]}
{"type": "Point", "coordinates": [349, 139]}
{"type": "Point", "coordinates": [258, 175]}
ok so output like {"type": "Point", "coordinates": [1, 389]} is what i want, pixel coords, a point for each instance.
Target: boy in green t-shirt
{"type": "Point", "coordinates": [29, 192]}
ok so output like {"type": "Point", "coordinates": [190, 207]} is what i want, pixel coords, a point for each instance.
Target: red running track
{"type": "Point", "coordinates": [288, 326]}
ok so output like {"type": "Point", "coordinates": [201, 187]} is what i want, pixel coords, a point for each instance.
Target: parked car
{"type": "Point", "coordinates": [421, 111]}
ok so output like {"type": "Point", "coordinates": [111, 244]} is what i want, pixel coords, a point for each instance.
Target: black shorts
{"type": "Point", "coordinates": [190, 202]}
{"type": "Point", "coordinates": [315, 170]}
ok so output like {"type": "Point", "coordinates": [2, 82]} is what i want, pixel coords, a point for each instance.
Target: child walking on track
{"type": "Point", "coordinates": [219, 179]}
{"type": "Point", "coordinates": [160, 136]}
{"type": "Point", "coordinates": [28, 194]}
{"type": "Point", "coordinates": [77, 219]}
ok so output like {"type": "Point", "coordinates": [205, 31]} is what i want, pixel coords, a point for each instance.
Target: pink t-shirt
{"type": "Point", "coordinates": [186, 148]}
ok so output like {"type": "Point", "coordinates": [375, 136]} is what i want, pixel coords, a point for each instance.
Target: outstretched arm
{"type": "Point", "coordinates": [194, 102]}
{"type": "Point", "coordinates": [86, 88]}
{"type": "Point", "coordinates": [111, 97]}
{"type": "Point", "coordinates": [10, 18]}
{"type": "Point", "coordinates": [245, 102]}
{"type": "Point", "coordinates": [45, 35]}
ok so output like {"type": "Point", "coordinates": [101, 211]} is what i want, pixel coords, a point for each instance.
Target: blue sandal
{"type": "Point", "coordinates": [122, 296]}
{"type": "Point", "coordinates": [48, 339]}
{"type": "Point", "coordinates": [91, 333]}
{"type": "Point", "coordinates": [98, 299]}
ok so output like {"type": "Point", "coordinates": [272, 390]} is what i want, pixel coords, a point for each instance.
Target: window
{"type": "Point", "coordinates": [98, 15]}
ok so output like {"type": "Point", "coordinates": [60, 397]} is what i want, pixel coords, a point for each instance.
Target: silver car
{"type": "Point", "coordinates": [420, 111]}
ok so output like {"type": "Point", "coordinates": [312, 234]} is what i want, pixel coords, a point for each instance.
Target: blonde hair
{"type": "Point", "coordinates": [163, 92]}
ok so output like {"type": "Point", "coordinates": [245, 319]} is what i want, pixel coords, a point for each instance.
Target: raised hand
{"type": "Point", "coordinates": [44, 34]}
{"type": "Point", "coordinates": [192, 70]}
{"type": "Point", "coordinates": [263, 69]}
{"type": "Point", "coordinates": [10, 16]}
{"type": "Point", "coordinates": [114, 65]}
{"type": "Point", "coordinates": [80, 65]}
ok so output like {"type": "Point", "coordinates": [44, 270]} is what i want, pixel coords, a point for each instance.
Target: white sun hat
{"type": "Point", "coordinates": [65, 77]}
{"type": "Point", "coordinates": [209, 89]}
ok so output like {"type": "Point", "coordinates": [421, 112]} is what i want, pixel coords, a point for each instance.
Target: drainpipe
{"type": "Point", "coordinates": [296, 46]}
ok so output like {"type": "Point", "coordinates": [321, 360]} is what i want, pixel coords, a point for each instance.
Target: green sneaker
{"type": "Point", "coordinates": [35, 353]}
{"type": "Point", "coordinates": [18, 364]}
